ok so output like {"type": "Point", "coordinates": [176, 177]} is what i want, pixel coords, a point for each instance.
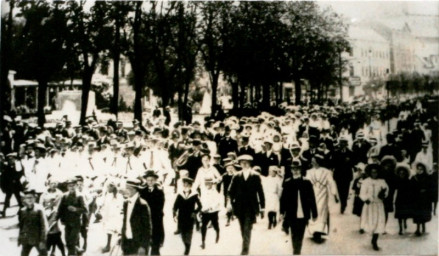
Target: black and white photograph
{"type": "Point", "coordinates": [184, 127]}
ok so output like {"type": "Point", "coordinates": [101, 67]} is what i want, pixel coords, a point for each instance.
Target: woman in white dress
{"type": "Point", "coordinates": [206, 171]}
{"type": "Point", "coordinates": [324, 186]}
{"type": "Point", "coordinates": [373, 191]}
{"type": "Point", "coordinates": [111, 211]}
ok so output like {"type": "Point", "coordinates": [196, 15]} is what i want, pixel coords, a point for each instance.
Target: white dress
{"type": "Point", "coordinates": [373, 218]}
{"type": "Point", "coordinates": [323, 186]}
{"type": "Point", "coordinates": [112, 212]}
{"type": "Point", "coordinates": [272, 191]}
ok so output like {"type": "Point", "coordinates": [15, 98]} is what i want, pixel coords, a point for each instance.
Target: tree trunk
{"type": "Point", "coordinates": [5, 87]}
{"type": "Point", "coordinates": [298, 90]}
{"type": "Point", "coordinates": [180, 105]}
{"type": "Point", "coordinates": [281, 92]}
{"type": "Point", "coordinates": [242, 95]}
{"type": "Point", "coordinates": [138, 88]}
{"type": "Point", "coordinates": [235, 98]}
{"type": "Point", "coordinates": [116, 60]}
{"type": "Point", "coordinates": [214, 82]}
{"type": "Point", "coordinates": [266, 96]}
{"type": "Point", "coordinates": [42, 88]}
{"type": "Point", "coordinates": [86, 85]}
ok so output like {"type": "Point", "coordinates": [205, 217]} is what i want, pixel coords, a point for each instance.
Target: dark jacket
{"type": "Point", "coordinates": [246, 195]}
{"type": "Point", "coordinates": [227, 145]}
{"type": "Point", "coordinates": [156, 201]}
{"type": "Point", "coordinates": [265, 161]}
{"type": "Point", "coordinates": [247, 150]}
{"type": "Point", "coordinates": [68, 217]}
{"type": "Point", "coordinates": [141, 225]}
{"type": "Point", "coordinates": [186, 207]}
{"type": "Point", "coordinates": [288, 200]}
{"type": "Point", "coordinates": [33, 225]}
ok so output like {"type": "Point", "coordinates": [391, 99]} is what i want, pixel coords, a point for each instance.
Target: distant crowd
{"type": "Point", "coordinates": [286, 168]}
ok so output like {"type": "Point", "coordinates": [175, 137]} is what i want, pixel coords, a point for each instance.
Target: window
{"type": "Point", "coordinates": [351, 70]}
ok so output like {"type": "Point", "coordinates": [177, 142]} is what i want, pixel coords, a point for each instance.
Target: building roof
{"type": "Point", "coordinates": [365, 34]}
{"type": "Point", "coordinates": [24, 83]}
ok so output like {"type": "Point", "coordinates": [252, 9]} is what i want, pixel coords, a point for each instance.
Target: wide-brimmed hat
{"type": "Point", "coordinates": [150, 173]}
{"type": "Point", "coordinates": [245, 158]}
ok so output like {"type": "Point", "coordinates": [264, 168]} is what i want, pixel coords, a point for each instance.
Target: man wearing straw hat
{"type": "Point", "coordinates": [247, 199]}
{"type": "Point", "coordinates": [136, 225]}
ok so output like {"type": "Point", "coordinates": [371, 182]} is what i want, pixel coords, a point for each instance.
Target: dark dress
{"type": "Point", "coordinates": [434, 193]}
{"type": "Point", "coordinates": [405, 199]}
{"type": "Point", "coordinates": [358, 203]}
{"type": "Point", "coordinates": [423, 207]}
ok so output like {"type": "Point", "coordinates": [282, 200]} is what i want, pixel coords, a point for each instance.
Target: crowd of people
{"type": "Point", "coordinates": [286, 168]}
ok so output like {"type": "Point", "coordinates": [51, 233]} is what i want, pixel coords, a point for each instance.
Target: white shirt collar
{"type": "Point", "coordinates": [133, 199]}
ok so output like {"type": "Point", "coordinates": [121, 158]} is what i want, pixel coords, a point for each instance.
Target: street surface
{"type": "Point", "coordinates": [344, 237]}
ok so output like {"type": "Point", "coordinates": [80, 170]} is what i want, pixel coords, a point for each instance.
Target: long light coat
{"type": "Point", "coordinates": [373, 218]}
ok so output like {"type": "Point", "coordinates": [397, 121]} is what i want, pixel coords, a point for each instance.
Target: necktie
{"type": "Point", "coordinates": [89, 160]}
{"type": "Point", "coordinates": [129, 164]}
{"type": "Point", "coordinates": [151, 162]}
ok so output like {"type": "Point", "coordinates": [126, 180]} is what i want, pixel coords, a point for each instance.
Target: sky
{"type": "Point", "coordinates": [370, 9]}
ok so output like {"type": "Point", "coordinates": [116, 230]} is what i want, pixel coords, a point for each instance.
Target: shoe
{"type": "Point", "coordinates": [401, 233]}
{"type": "Point", "coordinates": [227, 224]}
{"type": "Point", "coordinates": [376, 248]}
{"type": "Point", "coordinates": [217, 238]}
{"type": "Point", "coordinates": [203, 246]}
{"type": "Point", "coordinates": [177, 232]}
{"type": "Point", "coordinates": [361, 231]}
{"type": "Point", "coordinates": [106, 249]}
{"type": "Point", "coordinates": [417, 233]}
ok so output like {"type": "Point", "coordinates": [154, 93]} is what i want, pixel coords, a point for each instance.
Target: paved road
{"type": "Point", "coordinates": [343, 239]}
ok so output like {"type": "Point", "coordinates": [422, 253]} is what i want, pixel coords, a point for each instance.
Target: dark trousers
{"type": "Point", "coordinates": [246, 224]}
{"type": "Point", "coordinates": [71, 236]}
{"type": "Point", "coordinates": [205, 219]}
{"type": "Point", "coordinates": [131, 247]}
{"type": "Point", "coordinates": [158, 236]}
{"type": "Point", "coordinates": [272, 222]}
{"type": "Point", "coordinates": [343, 192]}
{"type": "Point", "coordinates": [297, 231]}
{"type": "Point", "coordinates": [8, 196]}
{"type": "Point", "coordinates": [54, 240]}
{"type": "Point", "coordinates": [186, 235]}
{"type": "Point", "coordinates": [84, 235]}
{"type": "Point", "coordinates": [26, 248]}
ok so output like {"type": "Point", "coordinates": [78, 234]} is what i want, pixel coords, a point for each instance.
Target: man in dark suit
{"type": "Point", "coordinates": [227, 144]}
{"type": "Point", "coordinates": [70, 211]}
{"type": "Point", "coordinates": [267, 158]}
{"type": "Point", "coordinates": [297, 205]}
{"type": "Point", "coordinates": [246, 149]}
{"type": "Point", "coordinates": [155, 197]}
{"type": "Point", "coordinates": [343, 162]}
{"type": "Point", "coordinates": [136, 226]}
{"type": "Point", "coordinates": [247, 199]}
{"type": "Point", "coordinates": [360, 147]}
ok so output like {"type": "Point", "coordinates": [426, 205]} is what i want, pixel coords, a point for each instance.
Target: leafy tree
{"type": "Point", "coordinates": [212, 36]}
{"type": "Point", "coordinates": [42, 45]}
{"type": "Point", "coordinates": [89, 37]}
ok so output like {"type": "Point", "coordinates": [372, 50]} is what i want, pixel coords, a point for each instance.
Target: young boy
{"type": "Point", "coordinates": [231, 169]}
{"type": "Point", "coordinates": [211, 202]}
{"type": "Point", "coordinates": [32, 225]}
{"type": "Point", "coordinates": [186, 206]}
{"type": "Point", "coordinates": [54, 236]}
